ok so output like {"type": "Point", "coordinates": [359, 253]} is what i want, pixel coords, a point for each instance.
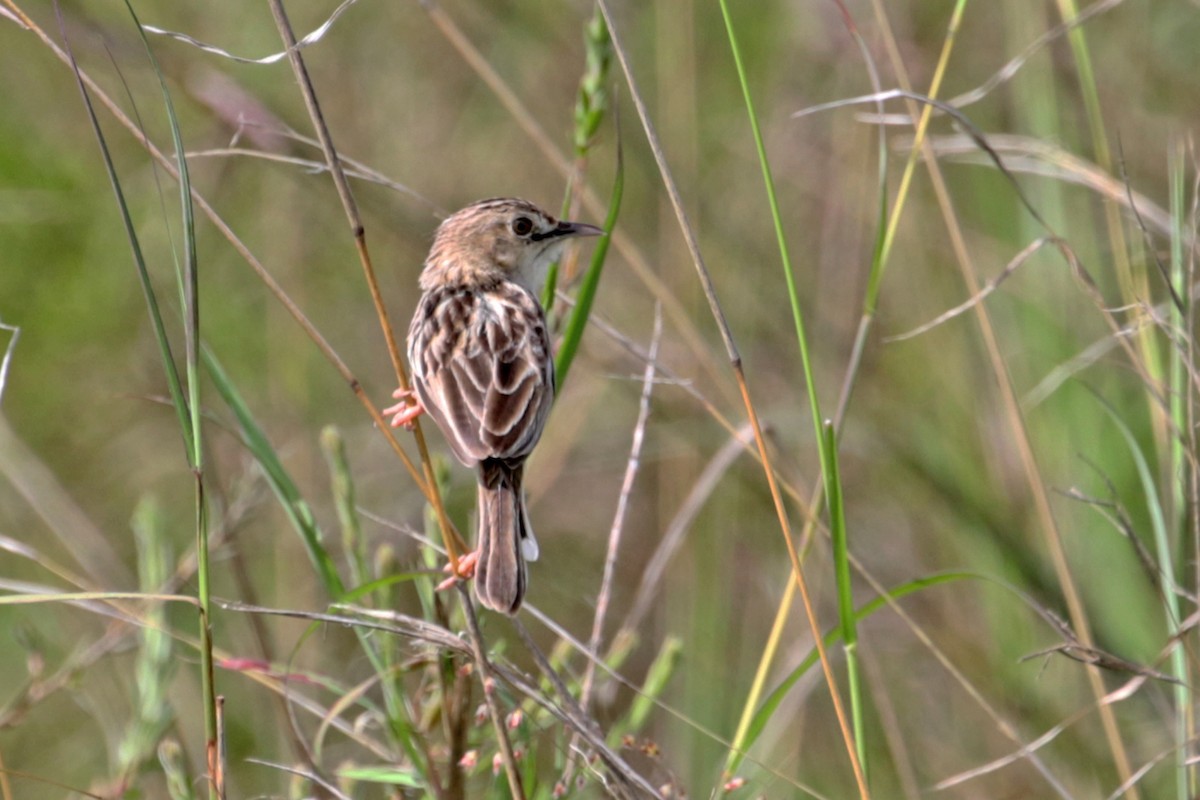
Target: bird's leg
{"type": "Point", "coordinates": [407, 410]}
{"type": "Point", "coordinates": [466, 569]}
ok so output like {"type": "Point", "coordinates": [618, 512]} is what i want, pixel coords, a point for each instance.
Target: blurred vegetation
{"type": "Point", "coordinates": [95, 494]}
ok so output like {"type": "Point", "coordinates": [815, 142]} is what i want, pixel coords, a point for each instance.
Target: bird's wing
{"type": "Point", "coordinates": [483, 369]}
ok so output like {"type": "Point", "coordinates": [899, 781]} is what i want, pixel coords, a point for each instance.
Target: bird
{"type": "Point", "coordinates": [483, 369]}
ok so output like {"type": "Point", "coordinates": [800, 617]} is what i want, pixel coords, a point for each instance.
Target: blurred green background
{"type": "Point", "coordinates": [933, 476]}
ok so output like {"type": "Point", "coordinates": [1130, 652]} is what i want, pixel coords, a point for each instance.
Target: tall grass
{"type": "Point", "coordinates": [995, 526]}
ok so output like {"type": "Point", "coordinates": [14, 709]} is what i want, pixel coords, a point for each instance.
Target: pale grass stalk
{"type": "Point", "coordinates": [751, 412]}
{"type": "Point", "coordinates": [618, 524]}
{"type": "Point", "coordinates": [489, 682]}
{"type": "Point", "coordinates": [1009, 401]}
{"type": "Point", "coordinates": [308, 775]}
{"type": "Point", "coordinates": [614, 535]}
{"type": "Point", "coordinates": [656, 566]}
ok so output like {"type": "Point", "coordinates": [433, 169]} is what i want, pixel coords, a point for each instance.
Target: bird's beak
{"type": "Point", "coordinates": [579, 229]}
{"type": "Point", "coordinates": [565, 229]}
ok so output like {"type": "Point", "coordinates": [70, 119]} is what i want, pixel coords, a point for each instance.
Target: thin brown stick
{"type": "Point", "coordinates": [364, 256]}
{"type": "Point", "coordinates": [489, 690]}
{"type": "Point", "coordinates": [219, 776]}
{"type": "Point", "coordinates": [735, 361]}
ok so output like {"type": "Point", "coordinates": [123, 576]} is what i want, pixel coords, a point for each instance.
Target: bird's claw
{"type": "Point", "coordinates": [466, 570]}
{"type": "Point", "coordinates": [406, 411]}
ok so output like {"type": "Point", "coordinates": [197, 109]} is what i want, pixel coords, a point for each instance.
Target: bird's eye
{"type": "Point", "coordinates": [522, 226]}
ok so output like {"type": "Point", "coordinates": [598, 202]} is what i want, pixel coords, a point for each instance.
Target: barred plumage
{"type": "Point", "coordinates": [483, 367]}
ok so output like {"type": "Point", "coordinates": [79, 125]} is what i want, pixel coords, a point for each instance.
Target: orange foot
{"type": "Point", "coordinates": [466, 569]}
{"type": "Point", "coordinates": [407, 410]}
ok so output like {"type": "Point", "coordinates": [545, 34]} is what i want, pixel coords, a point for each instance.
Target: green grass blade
{"type": "Point", "coordinates": [1180, 397]}
{"type": "Point", "coordinates": [577, 321]}
{"type": "Point", "coordinates": [1169, 589]}
{"type": "Point", "coordinates": [191, 328]}
{"type": "Point", "coordinates": [342, 484]}
{"type": "Point", "coordinates": [772, 702]}
{"type": "Point", "coordinates": [777, 222]}
{"type": "Point", "coordinates": [657, 675]}
{"type": "Point", "coordinates": [841, 562]}
{"type": "Point", "coordinates": [174, 384]}
{"type": "Point", "coordinates": [190, 293]}
{"type": "Point", "coordinates": [301, 517]}
{"type": "Point", "coordinates": [281, 483]}
{"type": "Point", "coordinates": [389, 775]}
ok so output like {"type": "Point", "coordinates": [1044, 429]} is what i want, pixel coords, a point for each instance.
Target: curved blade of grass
{"type": "Point", "coordinates": [805, 361]}
{"type": "Point", "coordinates": [281, 483]}
{"type": "Point", "coordinates": [772, 702]}
{"type": "Point", "coordinates": [1169, 588]}
{"type": "Point", "coordinates": [174, 385]}
{"type": "Point", "coordinates": [841, 564]}
{"type": "Point", "coordinates": [1181, 356]}
{"type": "Point", "coordinates": [305, 524]}
{"type": "Point", "coordinates": [577, 322]}
{"type": "Point", "coordinates": [390, 775]}
{"type": "Point", "coordinates": [644, 700]}
{"type": "Point", "coordinates": [190, 295]}
{"type": "Point", "coordinates": [190, 279]}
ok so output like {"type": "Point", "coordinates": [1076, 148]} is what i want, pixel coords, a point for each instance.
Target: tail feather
{"type": "Point", "coordinates": [504, 537]}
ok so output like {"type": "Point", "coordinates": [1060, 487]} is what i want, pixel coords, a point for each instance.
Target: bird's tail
{"type": "Point", "coordinates": [505, 539]}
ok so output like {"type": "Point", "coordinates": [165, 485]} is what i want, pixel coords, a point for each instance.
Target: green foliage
{"type": "Point", "coordinates": [971, 449]}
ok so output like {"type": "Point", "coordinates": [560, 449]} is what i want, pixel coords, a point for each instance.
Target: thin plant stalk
{"type": "Point", "coordinates": [847, 618]}
{"type": "Point", "coordinates": [816, 501]}
{"type": "Point", "coordinates": [486, 677]}
{"type": "Point", "coordinates": [735, 361]}
{"type": "Point", "coordinates": [828, 459]}
{"type": "Point", "coordinates": [1180, 468]}
{"type": "Point", "coordinates": [1011, 406]}
{"type": "Point", "coordinates": [189, 408]}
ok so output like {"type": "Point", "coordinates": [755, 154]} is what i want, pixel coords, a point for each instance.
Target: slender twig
{"type": "Point", "coordinates": [614, 534]}
{"type": "Point", "coordinates": [489, 695]}
{"type": "Point", "coordinates": [306, 774]}
{"type": "Point", "coordinates": [360, 243]}
{"type": "Point", "coordinates": [618, 524]}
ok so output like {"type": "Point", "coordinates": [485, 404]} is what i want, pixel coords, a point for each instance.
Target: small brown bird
{"type": "Point", "coordinates": [483, 368]}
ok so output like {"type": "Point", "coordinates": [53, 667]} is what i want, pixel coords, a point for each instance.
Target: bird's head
{"type": "Point", "coordinates": [499, 239]}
